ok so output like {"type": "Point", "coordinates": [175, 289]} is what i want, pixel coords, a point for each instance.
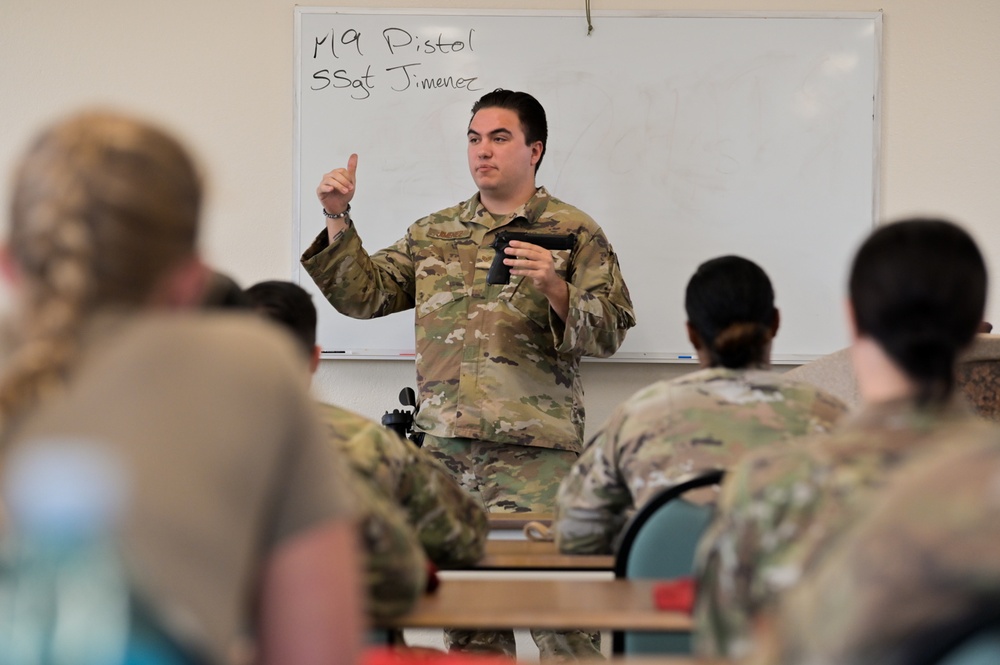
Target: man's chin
{"type": "Point", "coordinates": [485, 184]}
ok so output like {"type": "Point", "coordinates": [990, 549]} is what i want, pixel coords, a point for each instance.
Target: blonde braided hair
{"type": "Point", "coordinates": [103, 207]}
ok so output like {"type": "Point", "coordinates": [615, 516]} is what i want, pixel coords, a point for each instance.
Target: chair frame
{"type": "Point", "coordinates": [638, 520]}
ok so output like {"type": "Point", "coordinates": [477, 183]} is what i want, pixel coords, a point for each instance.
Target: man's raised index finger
{"type": "Point", "coordinates": [352, 165]}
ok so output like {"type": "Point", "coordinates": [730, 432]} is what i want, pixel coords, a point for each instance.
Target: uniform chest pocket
{"type": "Point", "coordinates": [440, 278]}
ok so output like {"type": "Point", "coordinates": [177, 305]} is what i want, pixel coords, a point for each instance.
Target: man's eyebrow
{"type": "Point", "coordinates": [492, 132]}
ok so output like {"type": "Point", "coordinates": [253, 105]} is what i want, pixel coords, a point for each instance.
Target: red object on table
{"type": "Point", "coordinates": [406, 656]}
{"type": "Point", "coordinates": [676, 595]}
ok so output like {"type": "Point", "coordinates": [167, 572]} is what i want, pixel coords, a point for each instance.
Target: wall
{"type": "Point", "coordinates": [220, 74]}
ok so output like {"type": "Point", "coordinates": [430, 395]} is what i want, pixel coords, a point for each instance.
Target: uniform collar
{"type": "Point", "coordinates": [906, 413]}
{"type": "Point", "coordinates": [473, 211]}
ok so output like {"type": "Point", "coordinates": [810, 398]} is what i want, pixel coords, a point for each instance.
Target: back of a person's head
{"type": "Point", "coordinates": [224, 292]}
{"type": "Point", "coordinates": [289, 305]}
{"type": "Point", "coordinates": [730, 304]}
{"type": "Point", "coordinates": [918, 289]}
{"type": "Point", "coordinates": [104, 206]}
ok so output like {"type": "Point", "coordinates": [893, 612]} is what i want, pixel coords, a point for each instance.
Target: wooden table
{"type": "Point", "coordinates": [538, 555]}
{"type": "Point", "coordinates": [562, 604]}
{"type": "Point", "coordinates": [516, 521]}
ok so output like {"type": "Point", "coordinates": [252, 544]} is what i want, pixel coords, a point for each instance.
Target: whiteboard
{"type": "Point", "coordinates": [685, 136]}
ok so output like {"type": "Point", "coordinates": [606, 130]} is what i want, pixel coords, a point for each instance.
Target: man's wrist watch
{"type": "Point", "coordinates": [339, 215]}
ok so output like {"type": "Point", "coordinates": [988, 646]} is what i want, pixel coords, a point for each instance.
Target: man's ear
{"type": "Point", "coordinates": [776, 323]}
{"type": "Point", "coordinates": [184, 287]}
{"type": "Point", "coordinates": [694, 337]}
{"type": "Point", "coordinates": [314, 358]}
{"type": "Point", "coordinates": [537, 148]}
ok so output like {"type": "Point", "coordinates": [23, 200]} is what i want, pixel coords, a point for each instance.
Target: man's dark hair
{"type": "Point", "coordinates": [222, 292]}
{"type": "Point", "coordinates": [730, 304]}
{"type": "Point", "coordinates": [289, 305]}
{"type": "Point", "coordinates": [918, 288]}
{"type": "Point", "coordinates": [529, 111]}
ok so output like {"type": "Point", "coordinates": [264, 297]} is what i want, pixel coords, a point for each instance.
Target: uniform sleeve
{"type": "Point", "coordinates": [450, 523]}
{"type": "Point", "coordinates": [720, 611]}
{"type": "Point", "coordinates": [397, 570]}
{"type": "Point", "coordinates": [396, 563]}
{"type": "Point", "coordinates": [920, 568]}
{"type": "Point", "coordinates": [749, 551]}
{"type": "Point", "coordinates": [359, 285]}
{"type": "Point", "coordinates": [592, 499]}
{"type": "Point", "coordinates": [600, 308]}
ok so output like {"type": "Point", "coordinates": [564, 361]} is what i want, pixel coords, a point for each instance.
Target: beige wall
{"type": "Point", "coordinates": [220, 73]}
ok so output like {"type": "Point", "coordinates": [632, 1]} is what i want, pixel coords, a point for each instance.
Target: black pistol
{"type": "Point", "coordinates": [500, 272]}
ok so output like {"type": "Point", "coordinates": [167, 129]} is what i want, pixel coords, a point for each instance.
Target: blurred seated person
{"type": "Point", "coordinates": [449, 523]}
{"type": "Point", "coordinates": [698, 422]}
{"type": "Point", "coordinates": [397, 569]}
{"type": "Point", "coordinates": [238, 525]}
{"type": "Point", "coordinates": [917, 577]}
{"type": "Point", "coordinates": [917, 291]}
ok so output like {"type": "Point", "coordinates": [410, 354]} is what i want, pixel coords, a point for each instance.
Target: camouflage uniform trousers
{"type": "Point", "coordinates": [509, 478]}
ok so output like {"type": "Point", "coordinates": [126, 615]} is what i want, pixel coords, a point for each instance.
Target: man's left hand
{"type": "Point", "coordinates": [536, 263]}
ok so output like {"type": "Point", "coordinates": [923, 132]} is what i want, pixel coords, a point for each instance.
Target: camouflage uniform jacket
{"type": "Point", "coordinates": [917, 570]}
{"type": "Point", "coordinates": [494, 362]}
{"type": "Point", "coordinates": [396, 568]}
{"type": "Point", "coordinates": [780, 511]}
{"type": "Point", "coordinates": [450, 524]}
{"type": "Point", "coordinates": [671, 429]}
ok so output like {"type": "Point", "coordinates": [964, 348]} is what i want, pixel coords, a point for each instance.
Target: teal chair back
{"type": "Point", "coordinates": [981, 649]}
{"type": "Point", "coordinates": [659, 542]}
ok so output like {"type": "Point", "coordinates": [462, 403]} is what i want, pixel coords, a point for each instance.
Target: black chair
{"type": "Point", "coordinates": [659, 542]}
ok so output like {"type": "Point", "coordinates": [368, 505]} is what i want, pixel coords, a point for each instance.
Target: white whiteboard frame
{"type": "Point", "coordinates": [672, 357]}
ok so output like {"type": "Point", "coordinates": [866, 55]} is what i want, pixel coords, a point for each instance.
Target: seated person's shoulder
{"type": "Point", "coordinates": [826, 407]}
{"type": "Point", "coordinates": [166, 351]}
{"type": "Point", "coordinates": [372, 450]}
{"type": "Point", "coordinates": [225, 335]}
{"type": "Point", "coordinates": [776, 469]}
{"type": "Point", "coordinates": [343, 424]}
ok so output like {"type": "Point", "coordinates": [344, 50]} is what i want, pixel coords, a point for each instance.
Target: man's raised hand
{"type": "Point", "coordinates": [336, 189]}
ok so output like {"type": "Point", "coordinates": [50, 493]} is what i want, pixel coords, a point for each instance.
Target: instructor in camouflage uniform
{"type": "Point", "coordinates": [501, 400]}
{"type": "Point", "coordinates": [705, 420]}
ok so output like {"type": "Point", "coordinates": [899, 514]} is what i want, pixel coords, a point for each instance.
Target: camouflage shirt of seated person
{"type": "Point", "coordinates": [667, 431]}
{"type": "Point", "coordinates": [449, 524]}
{"type": "Point", "coordinates": [919, 570]}
{"type": "Point", "coordinates": [396, 569]}
{"type": "Point", "coordinates": [780, 512]}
